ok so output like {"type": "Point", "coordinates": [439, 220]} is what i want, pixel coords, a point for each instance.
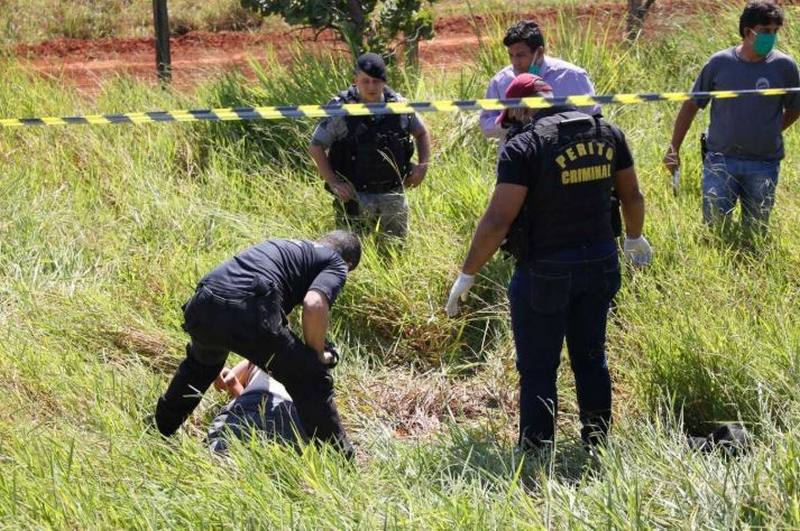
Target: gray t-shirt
{"type": "Point", "coordinates": [334, 128]}
{"type": "Point", "coordinates": [748, 127]}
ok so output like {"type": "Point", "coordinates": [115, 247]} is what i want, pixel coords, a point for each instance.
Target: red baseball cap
{"type": "Point", "coordinates": [524, 86]}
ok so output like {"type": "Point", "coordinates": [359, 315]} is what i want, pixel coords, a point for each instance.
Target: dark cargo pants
{"type": "Point", "coordinates": [253, 327]}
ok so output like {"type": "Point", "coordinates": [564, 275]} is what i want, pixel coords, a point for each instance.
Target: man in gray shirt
{"type": "Point", "coordinates": [365, 161]}
{"type": "Point", "coordinates": [745, 143]}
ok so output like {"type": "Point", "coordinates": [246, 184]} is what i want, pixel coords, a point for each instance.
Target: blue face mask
{"type": "Point", "coordinates": [764, 43]}
{"type": "Point", "coordinates": [534, 68]}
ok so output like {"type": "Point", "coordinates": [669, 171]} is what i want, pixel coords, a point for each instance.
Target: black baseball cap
{"type": "Point", "coordinates": [372, 64]}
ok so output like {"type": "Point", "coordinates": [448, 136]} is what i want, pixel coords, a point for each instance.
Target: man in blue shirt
{"type": "Point", "coordinates": [525, 44]}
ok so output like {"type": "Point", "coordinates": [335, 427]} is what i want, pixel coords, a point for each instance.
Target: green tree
{"type": "Point", "coordinates": [637, 11]}
{"type": "Point", "coordinates": [362, 24]}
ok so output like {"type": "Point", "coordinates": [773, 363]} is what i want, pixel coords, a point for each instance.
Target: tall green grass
{"type": "Point", "coordinates": [105, 230]}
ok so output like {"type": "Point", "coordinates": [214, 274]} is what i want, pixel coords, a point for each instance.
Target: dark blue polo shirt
{"type": "Point", "coordinates": [293, 266]}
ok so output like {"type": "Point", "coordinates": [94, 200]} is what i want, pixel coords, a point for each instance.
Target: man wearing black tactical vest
{"type": "Point", "coordinates": [554, 178]}
{"type": "Point", "coordinates": [241, 306]}
{"type": "Point", "coordinates": [366, 160]}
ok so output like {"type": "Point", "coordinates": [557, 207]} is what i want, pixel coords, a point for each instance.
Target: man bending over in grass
{"type": "Point", "coordinates": [260, 406]}
{"type": "Point", "coordinates": [241, 306]}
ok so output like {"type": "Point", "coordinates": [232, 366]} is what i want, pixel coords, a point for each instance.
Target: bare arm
{"type": "Point", "coordinates": [340, 188]}
{"type": "Point", "coordinates": [683, 122]}
{"type": "Point", "coordinates": [627, 186]}
{"type": "Point", "coordinates": [323, 163]}
{"type": "Point", "coordinates": [423, 141]}
{"type": "Point", "coordinates": [503, 208]}
{"type": "Point", "coordinates": [233, 380]}
{"type": "Point", "coordinates": [315, 320]}
{"type": "Point", "coordinates": [243, 370]}
{"type": "Point", "coordinates": [789, 117]}
{"type": "Point", "coordinates": [418, 171]}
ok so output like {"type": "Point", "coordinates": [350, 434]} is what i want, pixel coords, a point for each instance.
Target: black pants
{"type": "Point", "coordinates": [253, 327]}
{"type": "Point", "coordinates": [563, 297]}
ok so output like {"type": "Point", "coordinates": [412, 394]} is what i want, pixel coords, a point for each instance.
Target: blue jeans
{"type": "Point", "coordinates": [553, 298]}
{"type": "Point", "coordinates": [259, 412]}
{"type": "Point", "coordinates": [728, 179]}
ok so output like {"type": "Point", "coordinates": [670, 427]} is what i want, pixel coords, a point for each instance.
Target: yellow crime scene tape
{"type": "Point", "coordinates": [282, 112]}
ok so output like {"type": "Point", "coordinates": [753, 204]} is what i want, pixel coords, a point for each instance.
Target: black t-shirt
{"type": "Point", "coordinates": [516, 162]}
{"type": "Point", "coordinates": [294, 267]}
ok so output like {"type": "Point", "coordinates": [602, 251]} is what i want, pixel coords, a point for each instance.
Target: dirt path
{"type": "Point", "coordinates": [198, 55]}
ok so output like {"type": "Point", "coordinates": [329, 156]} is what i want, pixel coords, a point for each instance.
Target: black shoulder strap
{"type": "Point", "coordinates": [598, 127]}
{"type": "Point", "coordinates": [390, 95]}
{"type": "Point", "coordinates": [350, 95]}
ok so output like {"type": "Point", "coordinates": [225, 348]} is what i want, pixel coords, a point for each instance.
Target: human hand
{"type": "Point", "coordinates": [342, 189]}
{"type": "Point", "coordinates": [330, 355]}
{"type": "Point", "coordinates": [672, 159]}
{"type": "Point", "coordinates": [227, 381]}
{"type": "Point", "coordinates": [219, 381]}
{"type": "Point", "coordinates": [638, 251]}
{"type": "Point", "coordinates": [418, 172]}
{"type": "Point", "coordinates": [459, 290]}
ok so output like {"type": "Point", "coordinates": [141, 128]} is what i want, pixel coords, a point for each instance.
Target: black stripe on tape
{"type": "Point", "coordinates": [246, 114]}
{"type": "Point", "coordinates": [118, 118]}
{"type": "Point", "coordinates": [160, 116]}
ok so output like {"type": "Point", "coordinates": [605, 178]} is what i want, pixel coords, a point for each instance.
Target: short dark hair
{"type": "Point", "coordinates": [526, 31]}
{"type": "Point", "coordinates": [345, 243]}
{"type": "Point", "coordinates": [760, 13]}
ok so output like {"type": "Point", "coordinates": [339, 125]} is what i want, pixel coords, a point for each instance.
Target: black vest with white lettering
{"type": "Point", "coordinates": [375, 156]}
{"type": "Point", "coordinates": [568, 203]}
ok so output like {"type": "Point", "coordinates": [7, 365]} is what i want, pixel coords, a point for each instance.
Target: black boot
{"type": "Point", "coordinates": [595, 428]}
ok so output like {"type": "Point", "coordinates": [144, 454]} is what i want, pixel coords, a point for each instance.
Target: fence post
{"type": "Point", "coordinates": [163, 60]}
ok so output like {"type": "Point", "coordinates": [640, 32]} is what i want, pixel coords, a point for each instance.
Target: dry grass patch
{"type": "Point", "coordinates": [416, 406]}
{"type": "Point", "coordinates": [156, 350]}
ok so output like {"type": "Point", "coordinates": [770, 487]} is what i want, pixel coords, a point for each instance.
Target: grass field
{"type": "Point", "coordinates": [105, 230]}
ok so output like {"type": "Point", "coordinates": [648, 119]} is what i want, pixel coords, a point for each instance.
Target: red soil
{"type": "Point", "coordinates": [198, 55]}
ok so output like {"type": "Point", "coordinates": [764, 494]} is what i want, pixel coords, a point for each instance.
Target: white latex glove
{"type": "Point", "coordinates": [676, 181]}
{"type": "Point", "coordinates": [459, 290]}
{"type": "Point", "coordinates": [638, 251]}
